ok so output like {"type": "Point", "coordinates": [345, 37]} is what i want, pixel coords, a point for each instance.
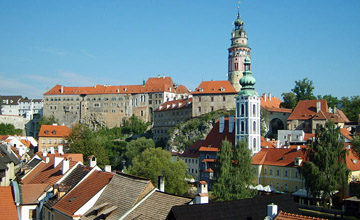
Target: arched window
{"type": "Point", "coordinates": [254, 143]}
{"type": "Point", "coordinates": [242, 127]}
{"type": "Point", "coordinates": [254, 126]}
{"type": "Point", "coordinates": [242, 109]}
{"type": "Point", "coordinates": [254, 110]}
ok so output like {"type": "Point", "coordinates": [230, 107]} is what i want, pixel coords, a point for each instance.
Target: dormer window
{"type": "Point", "coordinates": [201, 89]}
{"type": "Point", "coordinates": [46, 132]}
{"type": "Point", "coordinates": [53, 132]}
{"type": "Point", "coordinates": [222, 88]}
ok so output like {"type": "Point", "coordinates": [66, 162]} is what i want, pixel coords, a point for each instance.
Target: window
{"type": "Point", "coordinates": [49, 141]}
{"type": "Point", "coordinates": [242, 109]}
{"type": "Point", "coordinates": [55, 141]}
{"type": "Point", "coordinates": [286, 187]}
{"type": "Point", "coordinates": [212, 108]}
{"type": "Point", "coordinates": [277, 172]}
{"type": "Point", "coordinates": [277, 185]}
{"type": "Point", "coordinates": [254, 126]}
{"type": "Point", "coordinates": [224, 98]}
{"type": "Point", "coordinates": [199, 99]}
{"type": "Point", "coordinates": [44, 141]}
{"type": "Point", "coordinates": [212, 98]}
{"type": "Point", "coordinates": [254, 144]}
{"type": "Point", "coordinates": [271, 172]}
{"type": "Point", "coordinates": [199, 108]}
{"type": "Point", "coordinates": [265, 171]}
{"type": "Point", "coordinates": [242, 127]}
{"type": "Point", "coordinates": [296, 174]}
{"type": "Point", "coordinates": [286, 173]}
{"type": "Point", "coordinates": [254, 110]}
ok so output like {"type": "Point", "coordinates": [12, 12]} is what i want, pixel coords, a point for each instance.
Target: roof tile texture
{"type": "Point", "coordinates": [214, 87]}
{"type": "Point", "coordinates": [7, 204]}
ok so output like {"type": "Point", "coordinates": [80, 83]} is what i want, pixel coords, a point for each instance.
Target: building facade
{"type": "Point", "coordinates": [10, 105]}
{"type": "Point", "coordinates": [110, 106]}
{"type": "Point", "coordinates": [51, 136]}
{"type": "Point", "coordinates": [211, 96]}
{"type": "Point", "coordinates": [168, 115]}
{"type": "Point", "coordinates": [238, 51]}
{"type": "Point", "coordinates": [248, 111]}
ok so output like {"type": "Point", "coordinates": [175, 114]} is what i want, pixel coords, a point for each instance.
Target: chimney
{"type": "Point", "coordinates": [92, 161]}
{"type": "Point", "coordinates": [272, 210]}
{"type": "Point", "coordinates": [65, 165]}
{"type": "Point", "coordinates": [61, 149]}
{"type": "Point", "coordinates": [107, 168]}
{"type": "Point", "coordinates": [52, 150]}
{"type": "Point", "coordinates": [318, 106]}
{"type": "Point", "coordinates": [264, 96]}
{"type": "Point", "coordinates": [57, 161]}
{"type": "Point", "coordinates": [202, 196]}
{"type": "Point", "coordinates": [143, 83]}
{"type": "Point", "coordinates": [62, 89]}
{"type": "Point", "coordinates": [44, 153]}
{"type": "Point", "coordinates": [298, 147]}
{"type": "Point", "coordinates": [8, 147]}
{"type": "Point", "coordinates": [161, 183]}
{"type": "Point", "coordinates": [47, 159]}
{"type": "Point", "coordinates": [21, 151]}
{"type": "Point", "coordinates": [270, 96]}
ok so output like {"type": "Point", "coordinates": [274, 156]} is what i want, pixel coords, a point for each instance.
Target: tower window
{"type": "Point", "coordinates": [242, 127]}
{"type": "Point", "coordinates": [254, 110]}
{"type": "Point", "coordinates": [236, 66]}
{"type": "Point", "coordinates": [254, 144]}
{"type": "Point", "coordinates": [242, 110]}
{"type": "Point", "coordinates": [254, 126]}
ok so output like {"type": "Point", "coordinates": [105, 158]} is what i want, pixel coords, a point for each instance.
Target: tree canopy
{"type": "Point", "coordinates": [325, 170]}
{"type": "Point", "coordinates": [356, 145]}
{"type": "Point", "coordinates": [233, 172]}
{"type": "Point", "coordinates": [154, 162]}
{"type": "Point", "coordinates": [331, 100]}
{"type": "Point", "coordinates": [9, 129]}
{"type": "Point", "coordinates": [351, 107]}
{"type": "Point", "coordinates": [289, 100]}
{"type": "Point", "coordinates": [303, 89]}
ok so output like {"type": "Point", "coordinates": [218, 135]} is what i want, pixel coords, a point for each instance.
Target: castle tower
{"type": "Point", "coordinates": [238, 50]}
{"type": "Point", "coordinates": [248, 111]}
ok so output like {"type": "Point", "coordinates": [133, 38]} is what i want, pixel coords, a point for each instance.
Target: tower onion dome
{"type": "Point", "coordinates": [238, 22]}
{"type": "Point", "coordinates": [247, 81]}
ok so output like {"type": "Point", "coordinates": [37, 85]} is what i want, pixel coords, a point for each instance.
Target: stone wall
{"type": "Point", "coordinates": [19, 122]}
{"type": "Point", "coordinates": [206, 103]}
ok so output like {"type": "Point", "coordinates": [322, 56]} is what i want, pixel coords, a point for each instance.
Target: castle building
{"type": "Point", "coordinates": [110, 106]}
{"type": "Point", "coordinates": [238, 50]}
{"type": "Point", "coordinates": [248, 111]}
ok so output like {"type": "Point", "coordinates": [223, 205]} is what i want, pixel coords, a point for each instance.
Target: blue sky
{"type": "Point", "coordinates": [122, 42]}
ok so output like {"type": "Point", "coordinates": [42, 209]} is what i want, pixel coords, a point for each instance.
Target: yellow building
{"type": "Point", "coordinates": [278, 167]}
{"type": "Point", "coordinates": [52, 136]}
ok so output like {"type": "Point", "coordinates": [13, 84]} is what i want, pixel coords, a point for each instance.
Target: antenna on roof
{"type": "Point", "coordinates": [238, 7]}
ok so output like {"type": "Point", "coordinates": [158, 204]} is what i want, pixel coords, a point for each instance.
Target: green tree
{"type": "Point", "coordinates": [9, 129]}
{"type": "Point", "coordinates": [134, 126]}
{"type": "Point", "coordinates": [289, 100]}
{"type": "Point", "coordinates": [351, 107]}
{"type": "Point", "coordinates": [233, 172]}
{"type": "Point", "coordinates": [154, 162]}
{"type": "Point", "coordinates": [303, 89]}
{"type": "Point", "coordinates": [136, 147]}
{"type": "Point", "coordinates": [46, 121]}
{"type": "Point", "coordinates": [325, 170]}
{"type": "Point", "coordinates": [331, 100]}
{"type": "Point", "coordinates": [83, 140]}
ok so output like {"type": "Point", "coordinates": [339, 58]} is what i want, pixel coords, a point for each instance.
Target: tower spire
{"type": "Point", "coordinates": [238, 7]}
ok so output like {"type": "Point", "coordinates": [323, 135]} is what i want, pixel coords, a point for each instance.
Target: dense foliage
{"type": "Point", "coordinates": [154, 162]}
{"type": "Point", "coordinates": [233, 172]}
{"type": "Point", "coordinates": [351, 107]}
{"type": "Point", "coordinates": [325, 170]}
{"type": "Point", "coordinates": [9, 129]}
{"type": "Point", "coordinates": [46, 121]}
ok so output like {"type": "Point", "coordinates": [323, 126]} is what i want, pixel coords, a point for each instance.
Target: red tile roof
{"type": "Point", "coordinates": [214, 87]}
{"type": "Point", "coordinates": [278, 156]}
{"type": "Point", "coordinates": [272, 102]}
{"type": "Point", "coordinates": [289, 216]}
{"type": "Point", "coordinates": [346, 133]}
{"type": "Point", "coordinates": [306, 109]}
{"type": "Point", "coordinates": [26, 142]}
{"type": "Point", "coordinates": [208, 160]}
{"type": "Point", "coordinates": [268, 144]}
{"type": "Point", "coordinates": [352, 161]}
{"type": "Point", "coordinates": [7, 203]}
{"type": "Point", "coordinates": [82, 193]}
{"type": "Point", "coordinates": [175, 104]}
{"type": "Point", "coordinates": [31, 192]}
{"type": "Point", "coordinates": [54, 131]}
{"type": "Point", "coordinates": [72, 157]}
{"type": "Point", "coordinates": [46, 173]}
{"type": "Point", "coordinates": [283, 110]}
{"type": "Point", "coordinates": [212, 141]}
{"type": "Point", "coordinates": [156, 84]}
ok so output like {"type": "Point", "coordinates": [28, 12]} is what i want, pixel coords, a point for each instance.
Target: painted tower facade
{"type": "Point", "coordinates": [238, 50]}
{"type": "Point", "coordinates": [248, 111]}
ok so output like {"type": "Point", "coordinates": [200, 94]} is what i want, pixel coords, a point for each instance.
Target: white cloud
{"type": "Point", "coordinates": [87, 54]}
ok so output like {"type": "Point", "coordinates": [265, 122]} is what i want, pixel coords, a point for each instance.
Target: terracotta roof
{"type": "Point", "coordinates": [306, 109]}
{"type": "Point", "coordinates": [279, 156]}
{"type": "Point", "coordinates": [341, 114]}
{"type": "Point", "coordinates": [214, 87]}
{"type": "Point", "coordinates": [123, 192]}
{"type": "Point", "coordinates": [72, 157]}
{"type": "Point", "coordinates": [289, 216]}
{"type": "Point", "coordinates": [352, 161]}
{"type": "Point", "coordinates": [346, 133]}
{"type": "Point", "coordinates": [82, 193]}
{"type": "Point", "coordinates": [31, 192]}
{"type": "Point", "coordinates": [268, 144]}
{"type": "Point", "coordinates": [3, 137]}
{"type": "Point", "coordinates": [308, 136]}
{"type": "Point", "coordinates": [272, 102]}
{"type": "Point", "coordinates": [211, 149]}
{"type": "Point", "coordinates": [208, 170]}
{"type": "Point", "coordinates": [26, 142]}
{"type": "Point", "coordinates": [175, 104]}
{"type": "Point", "coordinates": [46, 173]}
{"type": "Point", "coordinates": [208, 160]}
{"type": "Point", "coordinates": [54, 131]}
{"type": "Point", "coordinates": [7, 203]}
{"type": "Point", "coordinates": [155, 84]}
